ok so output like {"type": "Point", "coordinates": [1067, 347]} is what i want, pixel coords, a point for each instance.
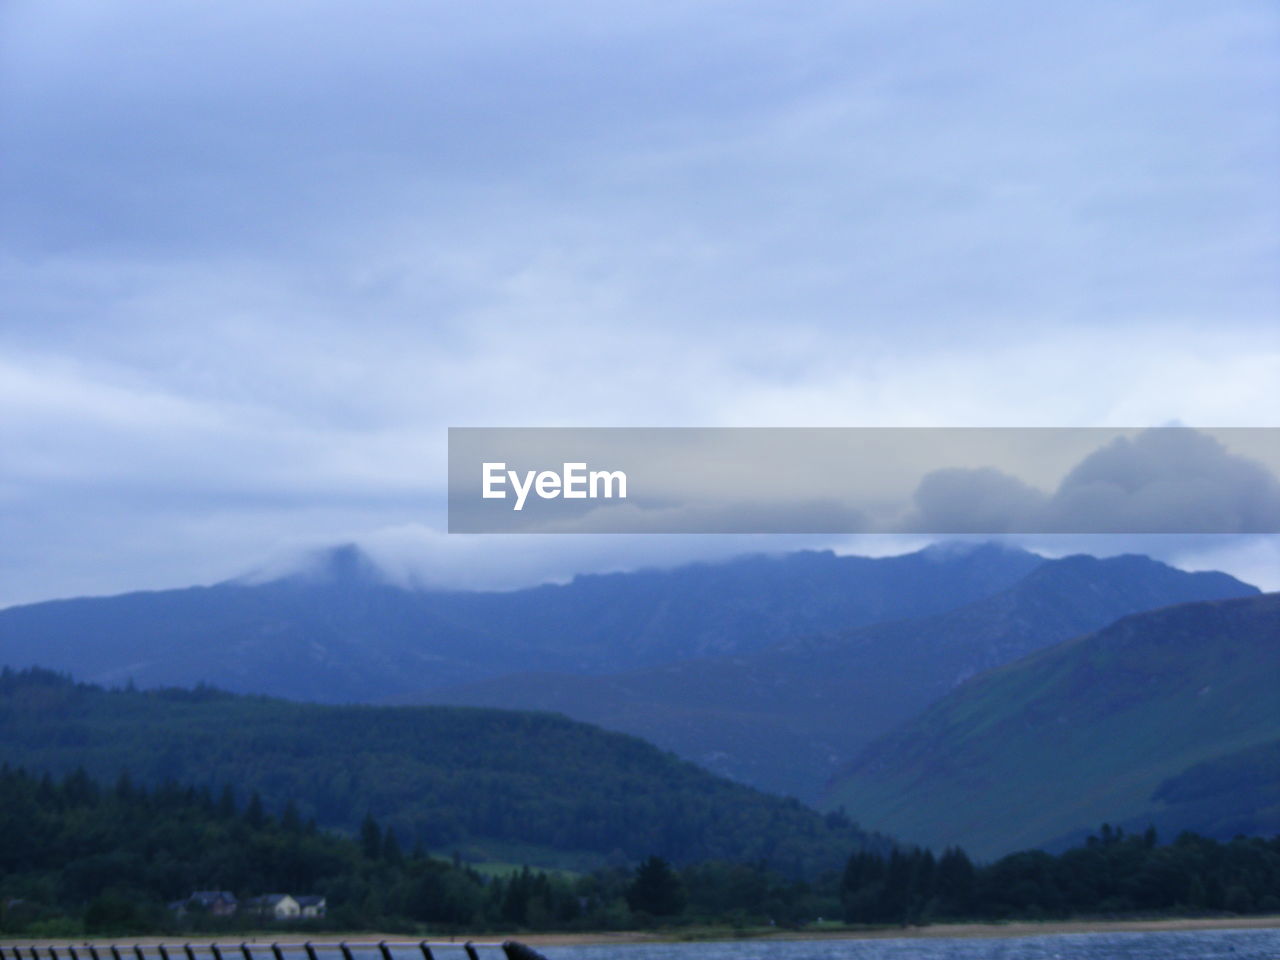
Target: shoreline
{"type": "Point", "coordinates": [967, 931]}
{"type": "Point", "coordinates": [958, 931]}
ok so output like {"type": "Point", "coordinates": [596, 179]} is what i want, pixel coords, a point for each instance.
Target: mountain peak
{"type": "Point", "coordinates": [345, 563]}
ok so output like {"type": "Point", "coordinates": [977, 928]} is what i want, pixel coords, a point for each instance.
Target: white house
{"type": "Point", "coordinates": [276, 906]}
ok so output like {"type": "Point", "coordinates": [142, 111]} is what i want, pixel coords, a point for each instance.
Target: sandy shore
{"type": "Point", "coordinates": [966, 930]}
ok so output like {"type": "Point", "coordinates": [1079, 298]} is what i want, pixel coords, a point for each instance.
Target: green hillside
{"type": "Point", "coordinates": [1238, 793]}
{"type": "Point", "coordinates": [492, 784]}
{"type": "Point", "coordinates": [1091, 730]}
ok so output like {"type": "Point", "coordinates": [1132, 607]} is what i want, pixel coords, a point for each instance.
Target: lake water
{"type": "Point", "coordinates": [1199, 945]}
{"type": "Point", "coordinates": [1170, 945]}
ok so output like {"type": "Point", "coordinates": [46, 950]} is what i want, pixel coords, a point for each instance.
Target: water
{"type": "Point", "coordinates": [1165, 945]}
{"type": "Point", "coordinates": [1162, 945]}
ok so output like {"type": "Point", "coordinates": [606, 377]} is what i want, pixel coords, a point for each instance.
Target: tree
{"type": "Point", "coordinates": [656, 889]}
{"type": "Point", "coordinates": [955, 882]}
{"type": "Point", "coordinates": [254, 814]}
{"type": "Point", "coordinates": [370, 837]}
{"type": "Point", "coordinates": [391, 847]}
{"type": "Point", "coordinates": [226, 803]}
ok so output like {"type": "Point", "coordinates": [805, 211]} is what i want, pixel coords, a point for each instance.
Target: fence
{"type": "Point", "coordinates": [349, 950]}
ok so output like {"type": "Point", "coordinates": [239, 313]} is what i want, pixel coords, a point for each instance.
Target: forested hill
{"type": "Point", "coordinates": [489, 783]}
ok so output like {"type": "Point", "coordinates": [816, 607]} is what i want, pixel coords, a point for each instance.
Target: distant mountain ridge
{"type": "Point", "coordinates": [785, 717]}
{"type": "Point", "coordinates": [337, 631]}
{"type": "Point", "coordinates": [1169, 717]}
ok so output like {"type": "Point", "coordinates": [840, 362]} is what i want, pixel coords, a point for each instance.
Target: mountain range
{"type": "Point", "coordinates": [785, 717]}
{"type": "Point", "coordinates": [887, 687]}
{"type": "Point", "coordinates": [338, 631]}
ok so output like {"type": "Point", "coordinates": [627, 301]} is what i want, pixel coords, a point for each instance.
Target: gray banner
{"type": "Point", "coordinates": [864, 480]}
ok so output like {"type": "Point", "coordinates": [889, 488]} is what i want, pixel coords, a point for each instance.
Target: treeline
{"type": "Point", "coordinates": [79, 857]}
{"type": "Point", "coordinates": [1114, 873]}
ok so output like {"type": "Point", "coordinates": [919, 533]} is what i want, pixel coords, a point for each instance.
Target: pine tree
{"type": "Point", "coordinates": [656, 889]}
{"type": "Point", "coordinates": [955, 882]}
{"type": "Point", "coordinates": [370, 838]}
{"type": "Point", "coordinates": [226, 804]}
{"type": "Point", "coordinates": [254, 815]}
{"type": "Point", "coordinates": [391, 847]}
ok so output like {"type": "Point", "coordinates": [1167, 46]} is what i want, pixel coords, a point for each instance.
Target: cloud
{"type": "Point", "coordinates": [741, 517]}
{"type": "Point", "coordinates": [1159, 481]}
{"type": "Point", "coordinates": [956, 500]}
{"type": "Point", "coordinates": [1167, 478]}
{"type": "Point", "coordinates": [256, 260]}
{"type": "Point", "coordinates": [419, 555]}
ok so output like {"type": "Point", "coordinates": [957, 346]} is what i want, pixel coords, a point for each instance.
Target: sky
{"type": "Point", "coordinates": [257, 257]}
